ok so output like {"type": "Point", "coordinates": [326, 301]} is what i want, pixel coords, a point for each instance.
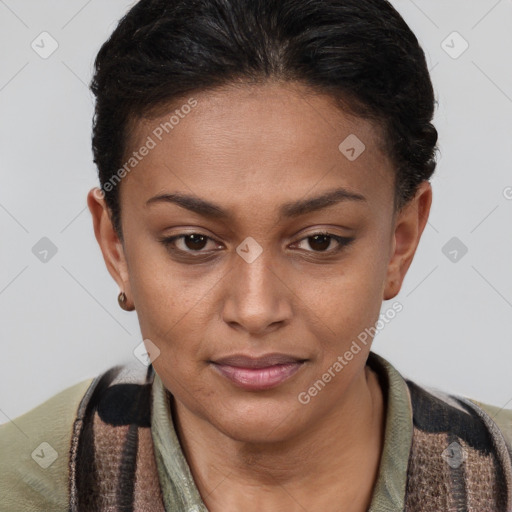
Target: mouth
{"type": "Point", "coordinates": [258, 373]}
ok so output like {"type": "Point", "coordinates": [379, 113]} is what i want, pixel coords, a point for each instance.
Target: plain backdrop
{"type": "Point", "coordinates": [59, 318]}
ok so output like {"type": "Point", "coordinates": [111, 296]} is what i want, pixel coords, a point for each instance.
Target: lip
{"type": "Point", "coordinates": [258, 373]}
{"type": "Point", "coordinates": [264, 361]}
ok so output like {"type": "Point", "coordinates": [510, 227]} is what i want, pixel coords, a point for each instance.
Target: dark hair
{"type": "Point", "coordinates": [360, 52]}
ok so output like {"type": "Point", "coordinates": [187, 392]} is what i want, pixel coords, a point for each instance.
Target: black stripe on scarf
{"type": "Point", "coordinates": [431, 414]}
{"type": "Point", "coordinates": [126, 487]}
{"type": "Point", "coordinates": [84, 490]}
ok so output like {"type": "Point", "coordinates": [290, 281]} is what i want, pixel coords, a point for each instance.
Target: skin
{"type": "Point", "coordinates": [251, 149]}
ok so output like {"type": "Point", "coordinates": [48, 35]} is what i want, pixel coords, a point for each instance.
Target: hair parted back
{"type": "Point", "coordinates": [360, 52]}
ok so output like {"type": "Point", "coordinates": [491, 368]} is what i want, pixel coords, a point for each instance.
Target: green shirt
{"type": "Point", "coordinates": [34, 450]}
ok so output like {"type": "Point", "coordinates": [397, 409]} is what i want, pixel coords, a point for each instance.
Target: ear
{"type": "Point", "coordinates": [108, 240]}
{"type": "Point", "coordinates": [408, 228]}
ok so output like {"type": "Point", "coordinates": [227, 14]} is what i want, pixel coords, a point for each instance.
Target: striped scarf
{"type": "Point", "coordinates": [459, 460]}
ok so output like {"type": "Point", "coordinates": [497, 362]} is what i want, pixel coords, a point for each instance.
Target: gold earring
{"type": "Point", "coordinates": [121, 299]}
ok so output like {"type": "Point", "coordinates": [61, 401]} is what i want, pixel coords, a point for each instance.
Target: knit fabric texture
{"type": "Point", "coordinates": [459, 460]}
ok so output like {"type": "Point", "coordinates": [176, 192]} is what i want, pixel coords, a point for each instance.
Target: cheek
{"type": "Point", "coordinates": [173, 304]}
{"type": "Point", "coordinates": [349, 302]}
{"type": "Point", "coordinates": [158, 287]}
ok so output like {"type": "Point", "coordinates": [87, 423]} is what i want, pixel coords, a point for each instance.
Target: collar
{"type": "Point", "coordinates": [389, 490]}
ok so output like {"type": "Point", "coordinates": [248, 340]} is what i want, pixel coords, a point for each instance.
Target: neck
{"type": "Point", "coordinates": [234, 475]}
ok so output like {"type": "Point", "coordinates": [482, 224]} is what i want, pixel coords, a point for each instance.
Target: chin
{"type": "Point", "coordinates": [252, 423]}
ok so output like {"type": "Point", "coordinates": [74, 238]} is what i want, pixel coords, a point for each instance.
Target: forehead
{"type": "Point", "coordinates": [276, 140]}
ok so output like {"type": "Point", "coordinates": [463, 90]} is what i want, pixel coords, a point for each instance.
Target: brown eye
{"type": "Point", "coordinates": [195, 244]}
{"type": "Point", "coordinates": [321, 242]}
{"type": "Point", "coordinates": [187, 243]}
{"type": "Point", "coordinates": [194, 241]}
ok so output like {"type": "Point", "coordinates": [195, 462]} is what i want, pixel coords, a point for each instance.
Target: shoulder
{"type": "Point", "coordinates": [481, 426]}
{"type": "Point", "coordinates": [35, 451]}
{"type": "Point", "coordinates": [433, 406]}
{"type": "Point", "coordinates": [502, 417]}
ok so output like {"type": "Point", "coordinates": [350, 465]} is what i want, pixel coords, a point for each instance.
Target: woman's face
{"type": "Point", "coordinates": [250, 166]}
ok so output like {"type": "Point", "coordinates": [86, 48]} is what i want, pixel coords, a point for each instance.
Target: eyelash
{"type": "Point", "coordinates": [343, 242]}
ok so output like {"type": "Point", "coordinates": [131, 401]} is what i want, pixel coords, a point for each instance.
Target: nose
{"type": "Point", "coordinates": [257, 298]}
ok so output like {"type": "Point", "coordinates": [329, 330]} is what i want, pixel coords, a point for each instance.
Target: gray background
{"type": "Point", "coordinates": [60, 322]}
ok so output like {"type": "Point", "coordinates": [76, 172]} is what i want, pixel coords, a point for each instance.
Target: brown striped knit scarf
{"type": "Point", "coordinates": [459, 460]}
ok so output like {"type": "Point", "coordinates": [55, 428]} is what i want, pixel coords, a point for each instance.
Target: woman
{"type": "Point", "coordinates": [264, 169]}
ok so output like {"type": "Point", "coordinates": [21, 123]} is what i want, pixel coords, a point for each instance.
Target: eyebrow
{"type": "Point", "coordinates": [286, 211]}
